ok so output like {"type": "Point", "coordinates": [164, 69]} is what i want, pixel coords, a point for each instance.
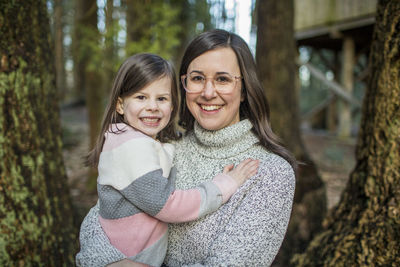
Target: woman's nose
{"type": "Point", "coordinates": [209, 90]}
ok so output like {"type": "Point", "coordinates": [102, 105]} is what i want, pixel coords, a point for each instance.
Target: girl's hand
{"type": "Point", "coordinates": [243, 171]}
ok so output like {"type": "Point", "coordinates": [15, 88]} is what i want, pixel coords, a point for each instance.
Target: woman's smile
{"type": "Point", "coordinates": [208, 108]}
{"type": "Point", "coordinates": [213, 110]}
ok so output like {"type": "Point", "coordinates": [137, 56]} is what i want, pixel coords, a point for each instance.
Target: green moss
{"type": "Point", "coordinates": [34, 227]}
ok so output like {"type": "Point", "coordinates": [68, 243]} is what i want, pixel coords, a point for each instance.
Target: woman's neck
{"type": "Point", "coordinates": [223, 143]}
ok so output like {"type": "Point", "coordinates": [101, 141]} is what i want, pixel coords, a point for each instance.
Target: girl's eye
{"type": "Point", "coordinates": [140, 97]}
{"type": "Point", "coordinates": [162, 98]}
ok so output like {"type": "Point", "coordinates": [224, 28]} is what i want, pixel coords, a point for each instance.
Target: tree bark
{"type": "Point", "coordinates": [36, 220]}
{"type": "Point", "coordinates": [364, 228]}
{"type": "Point", "coordinates": [276, 63]}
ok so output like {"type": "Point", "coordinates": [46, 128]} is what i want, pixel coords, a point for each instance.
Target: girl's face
{"type": "Point", "coordinates": [213, 110]}
{"type": "Point", "coordinates": [148, 110]}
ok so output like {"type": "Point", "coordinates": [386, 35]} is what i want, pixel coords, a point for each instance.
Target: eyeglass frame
{"type": "Point", "coordinates": [212, 81]}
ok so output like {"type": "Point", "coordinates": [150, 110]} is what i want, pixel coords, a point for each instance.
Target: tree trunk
{"type": "Point", "coordinates": [77, 52]}
{"type": "Point", "coordinates": [94, 87]}
{"type": "Point", "coordinates": [110, 46]}
{"type": "Point", "coordinates": [194, 17]}
{"type": "Point", "coordinates": [36, 222]}
{"type": "Point", "coordinates": [364, 229]}
{"type": "Point", "coordinates": [331, 114]}
{"type": "Point", "coordinates": [152, 26]}
{"type": "Point", "coordinates": [59, 47]}
{"type": "Point", "coordinates": [276, 63]}
{"type": "Point", "coordinates": [137, 20]}
{"type": "Point", "coordinates": [184, 35]}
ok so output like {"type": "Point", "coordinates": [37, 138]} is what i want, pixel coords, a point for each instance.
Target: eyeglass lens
{"type": "Point", "coordinates": [195, 82]}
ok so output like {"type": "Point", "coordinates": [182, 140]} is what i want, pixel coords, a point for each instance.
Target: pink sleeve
{"type": "Point", "coordinates": [181, 206]}
{"type": "Point", "coordinates": [188, 205]}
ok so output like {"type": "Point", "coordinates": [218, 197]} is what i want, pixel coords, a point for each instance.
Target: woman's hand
{"type": "Point", "coordinates": [243, 171]}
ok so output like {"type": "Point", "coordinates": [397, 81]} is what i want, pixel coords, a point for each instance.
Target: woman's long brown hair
{"type": "Point", "coordinates": [255, 105]}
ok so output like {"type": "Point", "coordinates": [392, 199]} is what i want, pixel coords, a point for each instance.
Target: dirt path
{"type": "Point", "coordinates": [335, 161]}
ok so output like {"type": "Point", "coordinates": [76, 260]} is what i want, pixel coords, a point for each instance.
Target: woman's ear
{"type": "Point", "coordinates": [120, 106]}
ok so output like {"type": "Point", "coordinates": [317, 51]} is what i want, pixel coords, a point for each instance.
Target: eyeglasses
{"type": "Point", "coordinates": [223, 83]}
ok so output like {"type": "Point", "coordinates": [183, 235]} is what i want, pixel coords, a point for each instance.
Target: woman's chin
{"type": "Point", "coordinates": [211, 124]}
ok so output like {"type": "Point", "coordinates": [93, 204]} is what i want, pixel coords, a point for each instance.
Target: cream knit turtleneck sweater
{"type": "Point", "coordinates": [247, 231]}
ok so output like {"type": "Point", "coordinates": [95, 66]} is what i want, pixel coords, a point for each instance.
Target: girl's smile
{"type": "Point", "coordinates": [148, 110]}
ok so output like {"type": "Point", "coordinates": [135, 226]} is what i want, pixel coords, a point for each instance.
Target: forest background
{"type": "Point", "coordinates": [333, 89]}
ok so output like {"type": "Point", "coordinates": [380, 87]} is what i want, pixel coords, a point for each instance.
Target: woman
{"type": "Point", "coordinates": [225, 115]}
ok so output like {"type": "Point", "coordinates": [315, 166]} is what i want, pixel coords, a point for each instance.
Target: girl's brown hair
{"type": "Point", "coordinates": [255, 105]}
{"type": "Point", "coordinates": [134, 74]}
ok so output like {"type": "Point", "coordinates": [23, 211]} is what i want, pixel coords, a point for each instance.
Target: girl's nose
{"type": "Point", "coordinates": [152, 105]}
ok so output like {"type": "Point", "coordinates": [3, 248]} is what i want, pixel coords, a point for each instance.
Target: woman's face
{"type": "Point", "coordinates": [211, 109]}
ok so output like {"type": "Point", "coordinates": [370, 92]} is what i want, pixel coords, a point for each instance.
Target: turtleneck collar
{"type": "Point", "coordinates": [223, 143]}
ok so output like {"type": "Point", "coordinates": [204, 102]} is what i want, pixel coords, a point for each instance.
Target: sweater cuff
{"type": "Point", "coordinates": [226, 184]}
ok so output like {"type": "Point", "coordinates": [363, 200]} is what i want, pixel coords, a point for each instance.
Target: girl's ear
{"type": "Point", "coordinates": [120, 106]}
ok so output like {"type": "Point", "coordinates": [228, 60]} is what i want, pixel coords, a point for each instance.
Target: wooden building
{"type": "Point", "coordinates": [344, 27]}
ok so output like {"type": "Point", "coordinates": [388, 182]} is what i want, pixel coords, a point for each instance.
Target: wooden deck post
{"type": "Point", "coordinates": [347, 77]}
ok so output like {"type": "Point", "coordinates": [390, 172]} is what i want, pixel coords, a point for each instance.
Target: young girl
{"type": "Point", "coordinates": [136, 177]}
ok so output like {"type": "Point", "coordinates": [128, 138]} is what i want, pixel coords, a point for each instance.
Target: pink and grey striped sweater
{"type": "Point", "coordinates": [137, 196]}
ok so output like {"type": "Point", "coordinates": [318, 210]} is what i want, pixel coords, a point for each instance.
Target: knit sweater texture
{"type": "Point", "coordinates": [137, 196]}
{"type": "Point", "coordinates": [247, 231]}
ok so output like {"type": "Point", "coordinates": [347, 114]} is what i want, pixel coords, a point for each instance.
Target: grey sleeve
{"type": "Point", "coordinates": [255, 231]}
{"type": "Point", "coordinates": [211, 198]}
{"type": "Point", "coordinates": [95, 247]}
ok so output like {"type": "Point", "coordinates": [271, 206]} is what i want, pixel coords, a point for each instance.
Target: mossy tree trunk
{"type": "Point", "coordinates": [364, 228]}
{"type": "Point", "coordinates": [275, 55]}
{"type": "Point", "coordinates": [36, 221]}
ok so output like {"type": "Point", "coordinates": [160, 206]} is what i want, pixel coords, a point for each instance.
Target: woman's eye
{"type": "Point", "coordinates": [197, 78]}
{"type": "Point", "coordinates": [223, 79]}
